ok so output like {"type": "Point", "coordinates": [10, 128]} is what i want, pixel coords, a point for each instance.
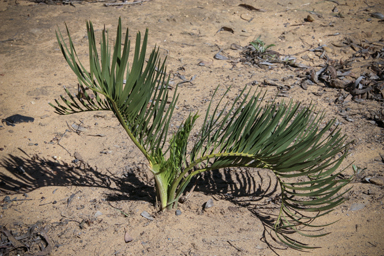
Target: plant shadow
{"type": "Point", "coordinates": [26, 173]}
{"type": "Point", "coordinates": [255, 189]}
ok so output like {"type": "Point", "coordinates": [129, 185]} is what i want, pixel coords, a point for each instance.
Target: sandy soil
{"type": "Point", "coordinates": [86, 206]}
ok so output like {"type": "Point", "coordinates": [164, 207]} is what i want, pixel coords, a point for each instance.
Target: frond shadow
{"type": "Point", "coordinates": [27, 173]}
{"type": "Point", "coordinates": [255, 189]}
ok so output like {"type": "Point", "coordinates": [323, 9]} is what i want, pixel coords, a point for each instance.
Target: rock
{"type": "Point", "coordinates": [78, 156]}
{"type": "Point", "coordinates": [336, 83]}
{"type": "Point", "coordinates": [327, 49]}
{"type": "Point", "coordinates": [146, 215]}
{"type": "Point", "coordinates": [98, 213]}
{"type": "Point", "coordinates": [127, 237]}
{"type": "Point", "coordinates": [310, 18]}
{"type": "Point", "coordinates": [377, 181]}
{"type": "Point", "coordinates": [233, 208]}
{"type": "Point", "coordinates": [16, 119]}
{"type": "Point", "coordinates": [356, 207]}
{"type": "Point", "coordinates": [377, 15]}
{"type": "Point", "coordinates": [178, 212]}
{"type": "Point", "coordinates": [208, 204]}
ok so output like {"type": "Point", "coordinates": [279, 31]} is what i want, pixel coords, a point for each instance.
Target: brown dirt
{"type": "Point", "coordinates": [112, 177]}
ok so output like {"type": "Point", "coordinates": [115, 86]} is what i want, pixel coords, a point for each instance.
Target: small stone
{"type": "Point", "coordinates": [377, 15]}
{"type": "Point", "coordinates": [349, 119]}
{"type": "Point", "coordinates": [7, 199]}
{"type": "Point", "coordinates": [377, 181]}
{"type": "Point", "coordinates": [31, 144]}
{"type": "Point", "coordinates": [356, 207]}
{"type": "Point", "coordinates": [146, 215]}
{"type": "Point", "coordinates": [208, 204]}
{"type": "Point", "coordinates": [78, 156]}
{"type": "Point", "coordinates": [233, 208]}
{"type": "Point", "coordinates": [98, 213]}
{"type": "Point", "coordinates": [310, 18]}
{"type": "Point", "coordinates": [178, 212]}
{"type": "Point", "coordinates": [327, 49]}
{"type": "Point", "coordinates": [16, 119]}
{"type": "Point", "coordinates": [127, 238]}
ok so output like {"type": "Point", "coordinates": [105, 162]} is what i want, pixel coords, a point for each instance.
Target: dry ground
{"type": "Point", "coordinates": [86, 207]}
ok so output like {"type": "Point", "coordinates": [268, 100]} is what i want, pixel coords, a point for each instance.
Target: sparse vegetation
{"type": "Point", "coordinates": [259, 45]}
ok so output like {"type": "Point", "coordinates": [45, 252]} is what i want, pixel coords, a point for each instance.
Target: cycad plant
{"type": "Point", "coordinates": [259, 45]}
{"type": "Point", "coordinates": [285, 138]}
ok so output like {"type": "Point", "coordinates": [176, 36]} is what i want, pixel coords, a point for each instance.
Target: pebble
{"type": "Point", "coordinates": [377, 15]}
{"type": "Point", "coordinates": [233, 208]}
{"type": "Point", "coordinates": [327, 49]}
{"type": "Point", "coordinates": [7, 199]}
{"type": "Point", "coordinates": [98, 213]}
{"type": "Point", "coordinates": [356, 207]}
{"type": "Point", "coordinates": [208, 204]}
{"type": "Point", "coordinates": [146, 215]}
{"type": "Point", "coordinates": [310, 18]}
{"type": "Point", "coordinates": [178, 212]}
{"type": "Point", "coordinates": [127, 238]}
{"type": "Point", "coordinates": [349, 119]}
{"type": "Point", "coordinates": [218, 56]}
{"type": "Point", "coordinates": [377, 181]}
{"type": "Point", "coordinates": [17, 119]}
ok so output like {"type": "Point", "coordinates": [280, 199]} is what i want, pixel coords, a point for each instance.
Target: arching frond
{"type": "Point", "coordinates": [138, 96]}
{"type": "Point", "coordinates": [287, 138]}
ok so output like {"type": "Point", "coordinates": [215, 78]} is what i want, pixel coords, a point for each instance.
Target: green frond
{"type": "Point", "coordinates": [178, 149]}
{"type": "Point", "coordinates": [286, 138]}
{"type": "Point", "coordinates": [81, 102]}
{"type": "Point", "coordinates": [138, 95]}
